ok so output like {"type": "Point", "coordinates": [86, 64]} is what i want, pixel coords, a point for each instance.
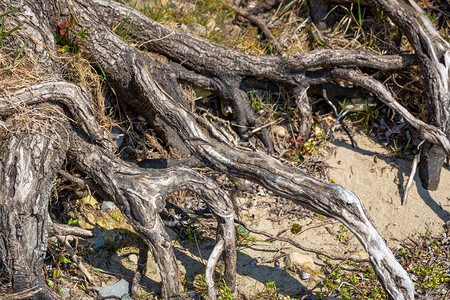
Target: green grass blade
{"type": "Point", "coordinates": [9, 12]}
{"type": "Point", "coordinates": [11, 31]}
{"type": "Point", "coordinates": [21, 50]}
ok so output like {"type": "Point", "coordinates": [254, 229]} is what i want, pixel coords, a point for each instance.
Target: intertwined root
{"type": "Point", "coordinates": [140, 194]}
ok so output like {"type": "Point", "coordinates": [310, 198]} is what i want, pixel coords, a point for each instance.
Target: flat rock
{"type": "Point", "coordinates": [172, 234]}
{"type": "Point", "coordinates": [295, 259]}
{"type": "Point", "coordinates": [360, 255]}
{"type": "Point", "coordinates": [116, 290]}
{"type": "Point", "coordinates": [99, 242]}
{"type": "Point", "coordinates": [133, 258]}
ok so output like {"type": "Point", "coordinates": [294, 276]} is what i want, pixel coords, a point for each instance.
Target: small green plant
{"type": "Point", "coordinates": [65, 36]}
{"type": "Point", "coordinates": [259, 102]}
{"type": "Point", "coordinates": [361, 114]}
{"type": "Point", "coordinates": [102, 75]}
{"type": "Point", "coordinates": [343, 234]}
{"type": "Point", "coordinates": [4, 34]}
{"type": "Point", "coordinates": [225, 292]}
{"type": "Point", "coordinates": [72, 222]}
{"type": "Point", "coordinates": [296, 228]}
{"type": "Point", "coordinates": [347, 285]}
{"type": "Point", "coordinates": [124, 30]}
{"type": "Point", "coordinates": [193, 235]}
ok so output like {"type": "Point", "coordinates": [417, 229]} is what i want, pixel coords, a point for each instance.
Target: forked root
{"type": "Point", "coordinates": [141, 193]}
{"type": "Point", "coordinates": [225, 242]}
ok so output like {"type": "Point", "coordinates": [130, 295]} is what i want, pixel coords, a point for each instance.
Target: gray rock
{"type": "Point", "coordinates": [126, 297]}
{"type": "Point", "coordinates": [99, 242]}
{"type": "Point", "coordinates": [172, 234]}
{"type": "Point", "coordinates": [65, 292]}
{"type": "Point", "coordinates": [108, 206]}
{"type": "Point", "coordinates": [117, 289]}
{"type": "Point", "coordinates": [96, 231]}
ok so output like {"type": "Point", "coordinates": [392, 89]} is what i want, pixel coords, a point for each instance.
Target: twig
{"type": "Point", "coordinates": [261, 25]}
{"type": "Point", "coordinates": [75, 258]}
{"type": "Point", "coordinates": [415, 162]}
{"type": "Point", "coordinates": [26, 294]}
{"type": "Point", "coordinates": [76, 180]}
{"type": "Point", "coordinates": [339, 118]}
{"type": "Point", "coordinates": [60, 229]}
{"type": "Point", "coordinates": [295, 244]}
{"type": "Point", "coordinates": [267, 125]}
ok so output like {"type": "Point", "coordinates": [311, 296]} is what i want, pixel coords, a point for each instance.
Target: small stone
{"type": "Point", "coordinates": [126, 297]}
{"type": "Point", "coordinates": [295, 259]}
{"type": "Point", "coordinates": [279, 131]}
{"type": "Point", "coordinates": [172, 234]}
{"type": "Point", "coordinates": [305, 275]}
{"type": "Point", "coordinates": [65, 292]}
{"type": "Point", "coordinates": [108, 206]}
{"type": "Point", "coordinates": [197, 28]}
{"type": "Point", "coordinates": [96, 231]}
{"type": "Point", "coordinates": [99, 242]}
{"type": "Point", "coordinates": [133, 258]}
{"type": "Point", "coordinates": [116, 290]}
{"type": "Point", "coordinates": [53, 239]}
{"type": "Point", "coordinates": [359, 255]}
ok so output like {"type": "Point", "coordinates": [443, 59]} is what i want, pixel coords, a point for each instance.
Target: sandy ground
{"type": "Point", "coordinates": [379, 184]}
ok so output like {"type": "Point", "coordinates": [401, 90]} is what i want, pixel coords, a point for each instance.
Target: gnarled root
{"type": "Point", "coordinates": [140, 194]}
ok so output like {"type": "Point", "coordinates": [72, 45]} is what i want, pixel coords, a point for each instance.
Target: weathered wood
{"type": "Point", "coordinates": [140, 194]}
{"type": "Point", "coordinates": [433, 56]}
{"type": "Point", "coordinates": [328, 199]}
{"type": "Point", "coordinates": [28, 167]}
{"type": "Point", "coordinates": [27, 172]}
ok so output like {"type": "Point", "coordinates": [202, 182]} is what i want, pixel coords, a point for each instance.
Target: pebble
{"type": "Point", "coordinates": [360, 255]}
{"type": "Point", "coordinates": [99, 242]}
{"type": "Point", "coordinates": [116, 290]}
{"type": "Point", "coordinates": [126, 297]}
{"type": "Point", "coordinates": [65, 292]}
{"type": "Point", "coordinates": [108, 206]}
{"type": "Point", "coordinates": [172, 234]}
{"type": "Point", "coordinates": [53, 239]}
{"type": "Point", "coordinates": [197, 28]}
{"type": "Point", "coordinates": [305, 275]}
{"type": "Point", "coordinates": [96, 231]}
{"type": "Point", "coordinates": [295, 259]}
{"type": "Point", "coordinates": [133, 258]}
{"type": "Point", "coordinates": [280, 131]}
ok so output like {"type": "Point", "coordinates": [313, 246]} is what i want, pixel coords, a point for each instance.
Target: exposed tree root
{"type": "Point", "coordinates": [72, 96]}
{"type": "Point", "coordinates": [140, 194]}
{"type": "Point", "coordinates": [152, 89]}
